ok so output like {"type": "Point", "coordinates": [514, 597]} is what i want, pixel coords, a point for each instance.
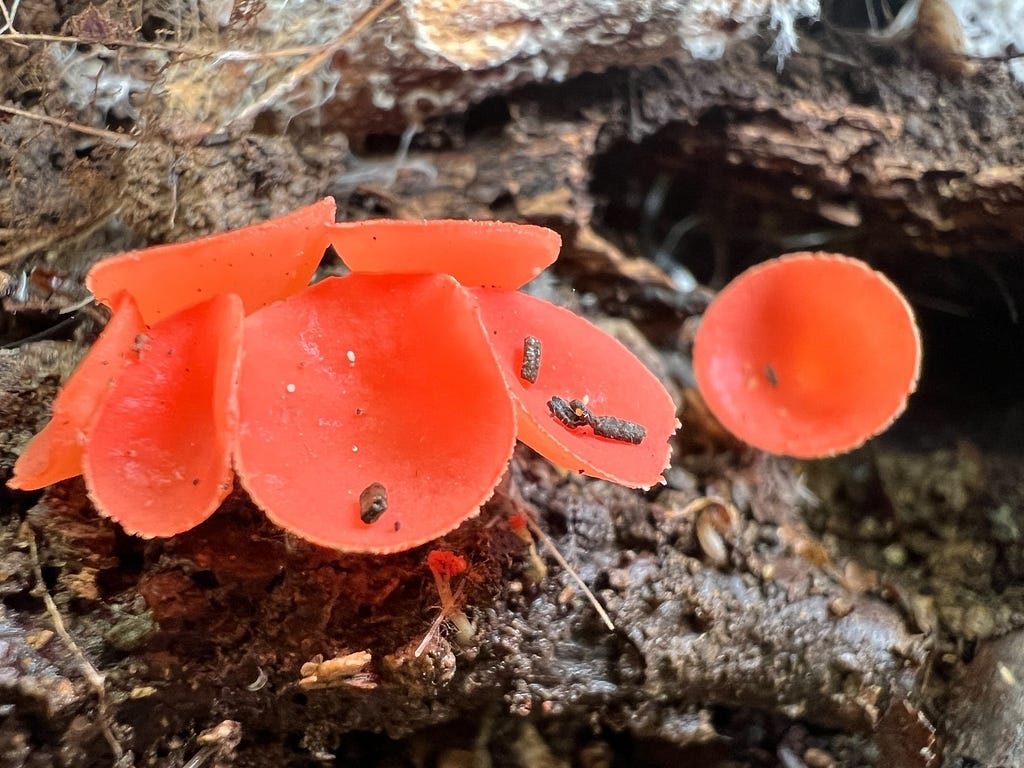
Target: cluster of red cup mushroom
{"type": "Point", "coordinates": [369, 413]}
{"type": "Point", "coordinates": [377, 411]}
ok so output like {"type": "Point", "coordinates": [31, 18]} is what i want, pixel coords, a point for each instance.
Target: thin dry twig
{"type": "Point", "coordinates": [539, 533]}
{"type": "Point", "coordinates": [435, 627]}
{"type": "Point", "coordinates": [442, 616]}
{"type": "Point", "coordinates": [117, 139]}
{"type": "Point", "coordinates": [9, 16]}
{"type": "Point", "coordinates": [244, 119]}
{"type": "Point", "coordinates": [31, 37]}
{"type": "Point", "coordinates": [80, 228]}
{"type": "Point", "coordinates": [89, 672]}
{"type": "Point", "coordinates": [174, 49]}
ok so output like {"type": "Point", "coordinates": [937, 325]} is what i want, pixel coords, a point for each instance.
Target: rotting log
{"type": "Point", "coordinates": [219, 623]}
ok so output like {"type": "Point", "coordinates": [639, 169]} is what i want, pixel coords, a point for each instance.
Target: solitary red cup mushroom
{"type": "Point", "coordinates": [808, 355]}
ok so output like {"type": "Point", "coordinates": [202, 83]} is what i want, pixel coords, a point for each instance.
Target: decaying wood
{"type": "Point", "coordinates": [986, 713]}
{"type": "Point", "coordinates": [440, 56]}
{"type": "Point", "coordinates": [763, 630]}
{"type": "Point", "coordinates": [878, 148]}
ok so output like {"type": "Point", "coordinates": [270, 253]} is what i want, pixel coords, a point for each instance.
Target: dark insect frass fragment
{"type": "Point", "coordinates": [582, 412]}
{"type": "Point", "coordinates": [531, 359]}
{"type": "Point", "coordinates": [615, 428]}
{"type": "Point", "coordinates": [566, 413]}
{"type": "Point", "coordinates": [373, 502]}
{"type": "Point", "coordinates": [575, 413]}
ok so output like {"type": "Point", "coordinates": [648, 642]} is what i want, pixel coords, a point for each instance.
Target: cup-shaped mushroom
{"type": "Point", "coordinates": [808, 355]}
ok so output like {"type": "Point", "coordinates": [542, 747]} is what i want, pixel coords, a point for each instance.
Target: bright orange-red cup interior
{"type": "Point", "coordinates": [808, 355]}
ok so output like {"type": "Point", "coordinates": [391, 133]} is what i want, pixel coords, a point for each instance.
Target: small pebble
{"type": "Point", "coordinates": [373, 502]}
{"type": "Point", "coordinates": [895, 555]}
{"type": "Point", "coordinates": [818, 758]}
{"type": "Point", "coordinates": [840, 607]}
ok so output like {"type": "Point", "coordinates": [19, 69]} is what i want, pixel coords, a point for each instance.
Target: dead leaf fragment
{"type": "Point", "coordinates": [344, 669]}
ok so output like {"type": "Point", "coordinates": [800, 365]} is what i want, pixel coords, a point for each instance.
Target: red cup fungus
{"type": "Point", "coordinates": [431, 422]}
{"type": "Point", "coordinates": [495, 254]}
{"type": "Point", "coordinates": [445, 565]}
{"type": "Point", "coordinates": [158, 457]}
{"type": "Point", "coordinates": [369, 413]}
{"type": "Point", "coordinates": [578, 362]}
{"type": "Point", "coordinates": [56, 453]}
{"type": "Point", "coordinates": [807, 355]}
{"type": "Point", "coordinates": [260, 264]}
